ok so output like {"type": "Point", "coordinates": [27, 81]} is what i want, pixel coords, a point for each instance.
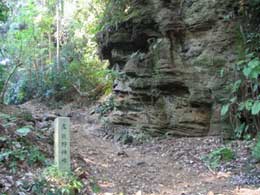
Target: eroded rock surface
{"type": "Point", "coordinates": [170, 55]}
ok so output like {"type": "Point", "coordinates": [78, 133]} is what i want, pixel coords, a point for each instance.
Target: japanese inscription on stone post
{"type": "Point", "coordinates": [62, 143]}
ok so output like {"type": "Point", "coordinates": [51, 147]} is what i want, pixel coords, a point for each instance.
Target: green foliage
{"type": "Point", "coordinates": [256, 108]}
{"type": "Point", "coordinates": [106, 107]}
{"type": "Point", "coordinates": [216, 157]}
{"type": "Point", "coordinates": [16, 152]}
{"type": "Point", "coordinates": [120, 11]}
{"type": "Point", "coordinates": [242, 107]}
{"type": "Point", "coordinates": [224, 109]}
{"type": "Point", "coordinates": [54, 182]}
{"type": "Point", "coordinates": [26, 116]}
{"type": "Point", "coordinates": [7, 118]}
{"type": "Point", "coordinates": [31, 41]}
{"type": "Point", "coordinates": [252, 68]}
{"type": "Point", "coordinates": [16, 149]}
{"type": "Point", "coordinates": [24, 131]}
{"type": "Point", "coordinates": [21, 91]}
{"type": "Point", "coordinates": [35, 156]}
{"type": "Point", "coordinates": [94, 186]}
{"type": "Point", "coordinates": [254, 3]}
{"type": "Point", "coordinates": [116, 11]}
{"type": "Point", "coordinates": [241, 131]}
{"type": "Point", "coordinates": [3, 11]}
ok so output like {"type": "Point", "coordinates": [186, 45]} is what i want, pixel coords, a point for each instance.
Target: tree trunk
{"type": "Point", "coordinates": [58, 26]}
{"type": "Point", "coordinates": [2, 96]}
{"type": "Point", "coordinates": [50, 42]}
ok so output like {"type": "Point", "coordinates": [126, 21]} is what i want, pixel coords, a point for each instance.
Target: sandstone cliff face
{"type": "Point", "coordinates": [170, 56]}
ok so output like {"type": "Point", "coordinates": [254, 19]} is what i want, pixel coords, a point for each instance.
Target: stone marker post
{"type": "Point", "coordinates": [62, 143]}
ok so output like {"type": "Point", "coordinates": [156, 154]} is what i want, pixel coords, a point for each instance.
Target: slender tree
{"type": "Point", "coordinates": [58, 31]}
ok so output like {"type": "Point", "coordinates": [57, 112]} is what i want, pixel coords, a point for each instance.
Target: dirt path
{"type": "Point", "coordinates": [161, 167]}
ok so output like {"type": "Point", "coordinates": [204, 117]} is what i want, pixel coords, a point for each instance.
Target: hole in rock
{"type": "Point", "coordinates": [177, 89]}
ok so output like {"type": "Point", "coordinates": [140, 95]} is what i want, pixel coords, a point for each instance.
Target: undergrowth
{"type": "Point", "coordinates": [16, 147]}
{"type": "Point", "coordinates": [20, 155]}
{"type": "Point", "coordinates": [54, 182]}
{"type": "Point", "coordinates": [242, 107]}
{"type": "Point", "coordinates": [218, 156]}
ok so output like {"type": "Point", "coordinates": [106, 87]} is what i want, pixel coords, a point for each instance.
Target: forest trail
{"type": "Point", "coordinates": [162, 167]}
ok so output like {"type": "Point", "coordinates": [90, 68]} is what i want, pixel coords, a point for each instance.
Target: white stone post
{"type": "Point", "coordinates": [62, 143]}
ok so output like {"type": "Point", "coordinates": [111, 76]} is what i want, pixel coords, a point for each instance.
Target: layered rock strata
{"type": "Point", "coordinates": [170, 56]}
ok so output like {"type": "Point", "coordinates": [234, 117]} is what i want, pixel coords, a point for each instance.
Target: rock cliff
{"type": "Point", "coordinates": [170, 56]}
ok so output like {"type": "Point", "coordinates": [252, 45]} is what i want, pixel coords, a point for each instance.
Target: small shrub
{"type": "Point", "coordinates": [20, 92]}
{"type": "Point", "coordinates": [106, 107]}
{"type": "Point", "coordinates": [217, 156]}
{"type": "Point", "coordinates": [52, 181]}
{"type": "Point", "coordinates": [36, 156]}
{"type": "Point", "coordinates": [14, 153]}
{"type": "Point", "coordinates": [242, 107]}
